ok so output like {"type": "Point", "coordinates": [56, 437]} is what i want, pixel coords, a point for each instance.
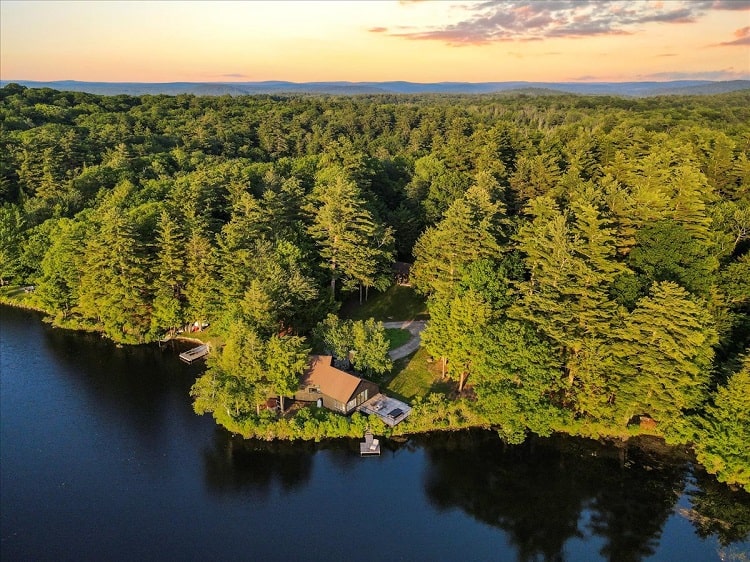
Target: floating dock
{"type": "Point", "coordinates": [370, 446]}
{"type": "Point", "coordinates": [194, 354]}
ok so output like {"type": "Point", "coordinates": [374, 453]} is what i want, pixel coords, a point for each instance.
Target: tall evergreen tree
{"type": "Point", "coordinates": [169, 276]}
{"type": "Point", "coordinates": [11, 228]}
{"type": "Point", "coordinates": [571, 263]}
{"type": "Point", "coordinates": [200, 284]}
{"type": "Point", "coordinates": [353, 246]}
{"type": "Point", "coordinates": [455, 332]}
{"type": "Point", "coordinates": [724, 430]}
{"type": "Point", "coordinates": [286, 359]}
{"type": "Point", "coordinates": [468, 232]}
{"type": "Point", "coordinates": [664, 353]}
{"type": "Point", "coordinates": [114, 288]}
{"type": "Point", "coordinates": [61, 267]}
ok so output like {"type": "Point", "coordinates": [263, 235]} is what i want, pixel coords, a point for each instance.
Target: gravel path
{"type": "Point", "coordinates": [414, 327]}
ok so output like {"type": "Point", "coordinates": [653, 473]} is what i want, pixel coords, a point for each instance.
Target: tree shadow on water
{"type": "Point", "coordinates": [546, 492]}
{"type": "Point", "coordinates": [236, 465]}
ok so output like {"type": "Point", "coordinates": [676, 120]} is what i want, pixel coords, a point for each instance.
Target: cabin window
{"type": "Point", "coordinates": [362, 397]}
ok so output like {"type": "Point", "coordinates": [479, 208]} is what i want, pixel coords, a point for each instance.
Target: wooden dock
{"type": "Point", "coordinates": [194, 354]}
{"type": "Point", "coordinates": [370, 446]}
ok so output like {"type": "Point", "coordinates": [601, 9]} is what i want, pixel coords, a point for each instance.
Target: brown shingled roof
{"type": "Point", "coordinates": [331, 381]}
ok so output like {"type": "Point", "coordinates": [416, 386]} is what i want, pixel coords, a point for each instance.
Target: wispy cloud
{"type": "Point", "coordinates": [709, 75]}
{"type": "Point", "coordinates": [742, 38]}
{"type": "Point", "coordinates": [490, 21]}
{"type": "Point", "coordinates": [234, 75]}
{"type": "Point", "coordinates": [730, 5]}
{"type": "Point", "coordinates": [378, 29]}
{"type": "Point", "coordinates": [723, 74]}
{"type": "Point", "coordinates": [520, 55]}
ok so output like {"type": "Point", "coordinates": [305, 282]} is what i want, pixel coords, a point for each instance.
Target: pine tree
{"type": "Point", "coordinates": [664, 353]}
{"type": "Point", "coordinates": [169, 276]}
{"type": "Point", "coordinates": [570, 256]}
{"type": "Point", "coordinates": [200, 268]}
{"type": "Point", "coordinates": [114, 287]}
{"type": "Point", "coordinates": [242, 362]}
{"type": "Point", "coordinates": [11, 227]}
{"type": "Point", "coordinates": [286, 359]}
{"type": "Point", "coordinates": [353, 246]}
{"type": "Point", "coordinates": [721, 444]}
{"type": "Point", "coordinates": [468, 232]}
{"type": "Point", "coordinates": [61, 266]}
{"type": "Point", "coordinates": [455, 332]}
{"type": "Point", "coordinates": [535, 175]}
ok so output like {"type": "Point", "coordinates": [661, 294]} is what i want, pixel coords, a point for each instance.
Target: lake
{"type": "Point", "coordinates": [102, 458]}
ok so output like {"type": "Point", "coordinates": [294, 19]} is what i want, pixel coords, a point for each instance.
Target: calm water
{"type": "Point", "coordinates": [102, 458]}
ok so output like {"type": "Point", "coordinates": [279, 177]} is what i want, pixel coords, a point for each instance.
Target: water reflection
{"type": "Point", "coordinates": [718, 510]}
{"type": "Point", "coordinates": [548, 491]}
{"type": "Point", "coordinates": [526, 490]}
{"type": "Point", "coordinates": [100, 437]}
{"type": "Point", "coordinates": [633, 496]}
{"type": "Point", "coordinates": [238, 465]}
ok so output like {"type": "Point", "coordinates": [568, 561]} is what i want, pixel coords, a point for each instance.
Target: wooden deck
{"type": "Point", "coordinates": [388, 409]}
{"type": "Point", "coordinates": [370, 446]}
{"type": "Point", "coordinates": [194, 354]}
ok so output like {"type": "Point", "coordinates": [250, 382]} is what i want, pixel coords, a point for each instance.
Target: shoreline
{"type": "Point", "coordinates": [272, 431]}
{"type": "Point", "coordinates": [16, 303]}
{"type": "Point", "coordinates": [260, 434]}
{"type": "Point", "coordinates": [49, 318]}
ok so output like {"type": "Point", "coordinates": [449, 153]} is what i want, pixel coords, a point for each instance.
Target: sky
{"type": "Point", "coordinates": [381, 40]}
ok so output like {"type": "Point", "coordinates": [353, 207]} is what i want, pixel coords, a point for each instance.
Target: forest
{"type": "Point", "coordinates": [584, 258]}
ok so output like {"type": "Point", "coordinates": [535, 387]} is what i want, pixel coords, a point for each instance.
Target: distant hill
{"type": "Point", "coordinates": [637, 89]}
{"type": "Point", "coordinates": [705, 89]}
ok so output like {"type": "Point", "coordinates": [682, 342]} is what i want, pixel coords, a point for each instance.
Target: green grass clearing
{"type": "Point", "coordinates": [11, 291]}
{"type": "Point", "coordinates": [15, 295]}
{"type": "Point", "coordinates": [416, 376]}
{"type": "Point", "coordinates": [397, 303]}
{"type": "Point", "coordinates": [397, 337]}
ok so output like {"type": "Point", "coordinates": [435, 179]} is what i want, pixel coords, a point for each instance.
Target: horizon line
{"type": "Point", "coordinates": [10, 80]}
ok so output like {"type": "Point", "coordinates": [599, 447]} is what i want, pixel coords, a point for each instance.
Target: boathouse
{"type": "Point", "coordinates": [333, 388]}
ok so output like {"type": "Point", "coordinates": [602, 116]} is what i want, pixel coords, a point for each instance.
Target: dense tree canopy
{"type": "Point", "coordinates": [585, 259]}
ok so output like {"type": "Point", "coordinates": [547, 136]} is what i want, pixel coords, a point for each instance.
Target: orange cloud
{"type": "Point", "coordinates": [491, 21]}
{"type": "Point", "coordinates": [743, 37]}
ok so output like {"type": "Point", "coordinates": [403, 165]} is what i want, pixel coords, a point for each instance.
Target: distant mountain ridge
{"type": "Point", "coordinates": [637, 89]}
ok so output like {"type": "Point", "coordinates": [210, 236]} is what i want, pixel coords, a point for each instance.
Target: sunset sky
{"type": "Point", "coordinates": [419, 41]}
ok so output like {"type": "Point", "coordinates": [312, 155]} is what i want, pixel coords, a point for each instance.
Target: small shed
{"type": "Point", "coordinates": [401, 270]}
{"type": "Point", "coordinates": [335, 389]}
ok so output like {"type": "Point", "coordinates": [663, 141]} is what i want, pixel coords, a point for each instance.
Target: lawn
{"type": "Point", "coordinates": [415, 376]}
{"type": "Point", "coordinates": [397, 303]}
{"type": "Point", "coordinates": [17, 296]}
{"type": "Point", "coordinates": [397, 337]}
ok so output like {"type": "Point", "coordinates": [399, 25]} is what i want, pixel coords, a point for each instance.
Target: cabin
{"type": "Point", "coordinates": [333, 388]}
